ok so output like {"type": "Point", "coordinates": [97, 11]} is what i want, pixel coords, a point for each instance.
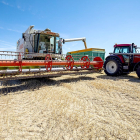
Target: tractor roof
{"type": "Point", "coordinates": [120, 45]}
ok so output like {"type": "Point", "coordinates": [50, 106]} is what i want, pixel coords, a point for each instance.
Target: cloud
{"type": "Point", "coordinates": [63, 35]}
{"type": "Point", "coordinates": [6, 47]}
{"type": "Point", "coordinates": [14, 30]}
{"type": "Point", "coordinates": [74, 44]}
{"type": "Point", "coordinates": [6, 43]}
{"type": "Point", "coordinates": [6, 3]}
{"type": "Point", "coordinates": [19, 7]}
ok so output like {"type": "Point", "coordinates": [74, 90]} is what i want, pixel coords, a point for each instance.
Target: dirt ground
{"type": "Point", "coordinates": [87, 107]}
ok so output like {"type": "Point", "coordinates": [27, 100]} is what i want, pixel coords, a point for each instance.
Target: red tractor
{"type": "Point", "coordinates": [123, 60]}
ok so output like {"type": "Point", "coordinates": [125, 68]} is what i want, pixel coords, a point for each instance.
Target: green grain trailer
{"type": "Point", "coordinates": [91, 53]}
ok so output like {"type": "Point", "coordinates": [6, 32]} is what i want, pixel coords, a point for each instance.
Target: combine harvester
{"type": "Point", "coordinates": [39, 54]}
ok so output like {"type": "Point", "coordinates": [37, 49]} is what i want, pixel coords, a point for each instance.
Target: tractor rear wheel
{"type": "Point", "coordinates": [113, 66]}
{"type": "Point", "coordinates": [138, 71]}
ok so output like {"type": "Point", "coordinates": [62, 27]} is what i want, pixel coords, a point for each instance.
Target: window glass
{"type": "Point", "coordinates": [122, 49]}
{"type": "Point", "coordinates": [52, 44]}
{"type": "Point", "coordinates": [57, 48]}
{"type": "Point", "coordinates": [125, 50]}
{"type": "Point", "coordinates": [58, 45]}
{"type": "Point", "coordinates": [134, 50]}
{"type": "Point", "coordinates": [46, 44]}
{"type": "Point", "coordinates": [117, 50]}
{"type": "Point", "coordinates": [36, 43]}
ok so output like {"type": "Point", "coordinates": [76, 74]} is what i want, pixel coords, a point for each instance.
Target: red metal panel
{"type": "Point", "coordinates": [121, 58]}
{"type": "Point", "coordinates": [43, 63]}
{"type": "Point", "coordinates": [136, 59]}
{"type": "Point", "coordinates": [119, 45]}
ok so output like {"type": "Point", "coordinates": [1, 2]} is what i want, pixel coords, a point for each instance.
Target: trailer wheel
{"type": "Point", "coordinates": [138, 71]}
{"type": "Point", "coordinates": [113, 66]}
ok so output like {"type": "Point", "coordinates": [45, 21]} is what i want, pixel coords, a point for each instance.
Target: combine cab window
{"type": "Point", "coordinates": [46, 44]}
{"type": "Point", "coordinates": [57, 48]}
{"type": "Point", "coordinates": [58, 45]}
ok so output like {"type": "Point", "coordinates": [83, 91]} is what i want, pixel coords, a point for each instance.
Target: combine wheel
{"type": "Point", "coordinates": [138, 71]}
{"type": "Point", "coordinates": [86, 61]}
{"type": "Point", "coordinates": [70, 62]}
{"type": "Point", "coordinates": [113, 66]}
{"type": "Point", "coordinates": [48, 59]}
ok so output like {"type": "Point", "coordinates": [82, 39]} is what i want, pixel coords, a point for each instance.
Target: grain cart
{"type": "Point", "coordinates": [124, 59]}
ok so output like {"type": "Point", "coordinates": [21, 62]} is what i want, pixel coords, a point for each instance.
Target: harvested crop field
{"type": "Point", "coordinates": [88, 107]}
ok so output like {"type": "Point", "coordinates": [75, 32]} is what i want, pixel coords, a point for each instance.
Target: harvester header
{"type": "Point", "coordinates": [24, 69]}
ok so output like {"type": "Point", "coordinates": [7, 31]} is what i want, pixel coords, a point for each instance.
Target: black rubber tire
{"type": "Point", "coordinates": [125, 73]}
{"type": "Point", "coordinates": [118, 63]}
{"type": "Point", "coordinates": [138, 71]}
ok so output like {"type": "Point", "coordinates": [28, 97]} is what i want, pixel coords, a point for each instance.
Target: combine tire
{"type": "Point", "coordinates": [113, 66]}
{"type": "Point", "coordinates": [138, 71]}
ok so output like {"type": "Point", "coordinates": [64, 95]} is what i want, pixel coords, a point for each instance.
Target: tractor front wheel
{"type": "Point", "coordinates": [113, 66]}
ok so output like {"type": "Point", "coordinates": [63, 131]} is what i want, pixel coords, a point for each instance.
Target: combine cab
{"type": "Point", "coordinates": [123, 60]}
{"type": "Point", "coordinates": [38, 43]}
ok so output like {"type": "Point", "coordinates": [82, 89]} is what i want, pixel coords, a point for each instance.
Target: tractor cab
{"type": "Point", "coordinates": [123, 51]}
{"type": "Point", "coordinates": [125, 48]}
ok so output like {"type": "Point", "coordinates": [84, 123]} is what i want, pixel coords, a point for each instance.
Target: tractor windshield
{"type": "Point", "coordinates": [123, 49]}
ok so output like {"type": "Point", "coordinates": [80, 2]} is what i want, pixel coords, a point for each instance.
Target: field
{"type": "Point", "coordinates": [88, 107]}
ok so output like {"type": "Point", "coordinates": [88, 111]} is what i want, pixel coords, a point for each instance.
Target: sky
{"type": "Point", "coordinates": [102, 22]}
